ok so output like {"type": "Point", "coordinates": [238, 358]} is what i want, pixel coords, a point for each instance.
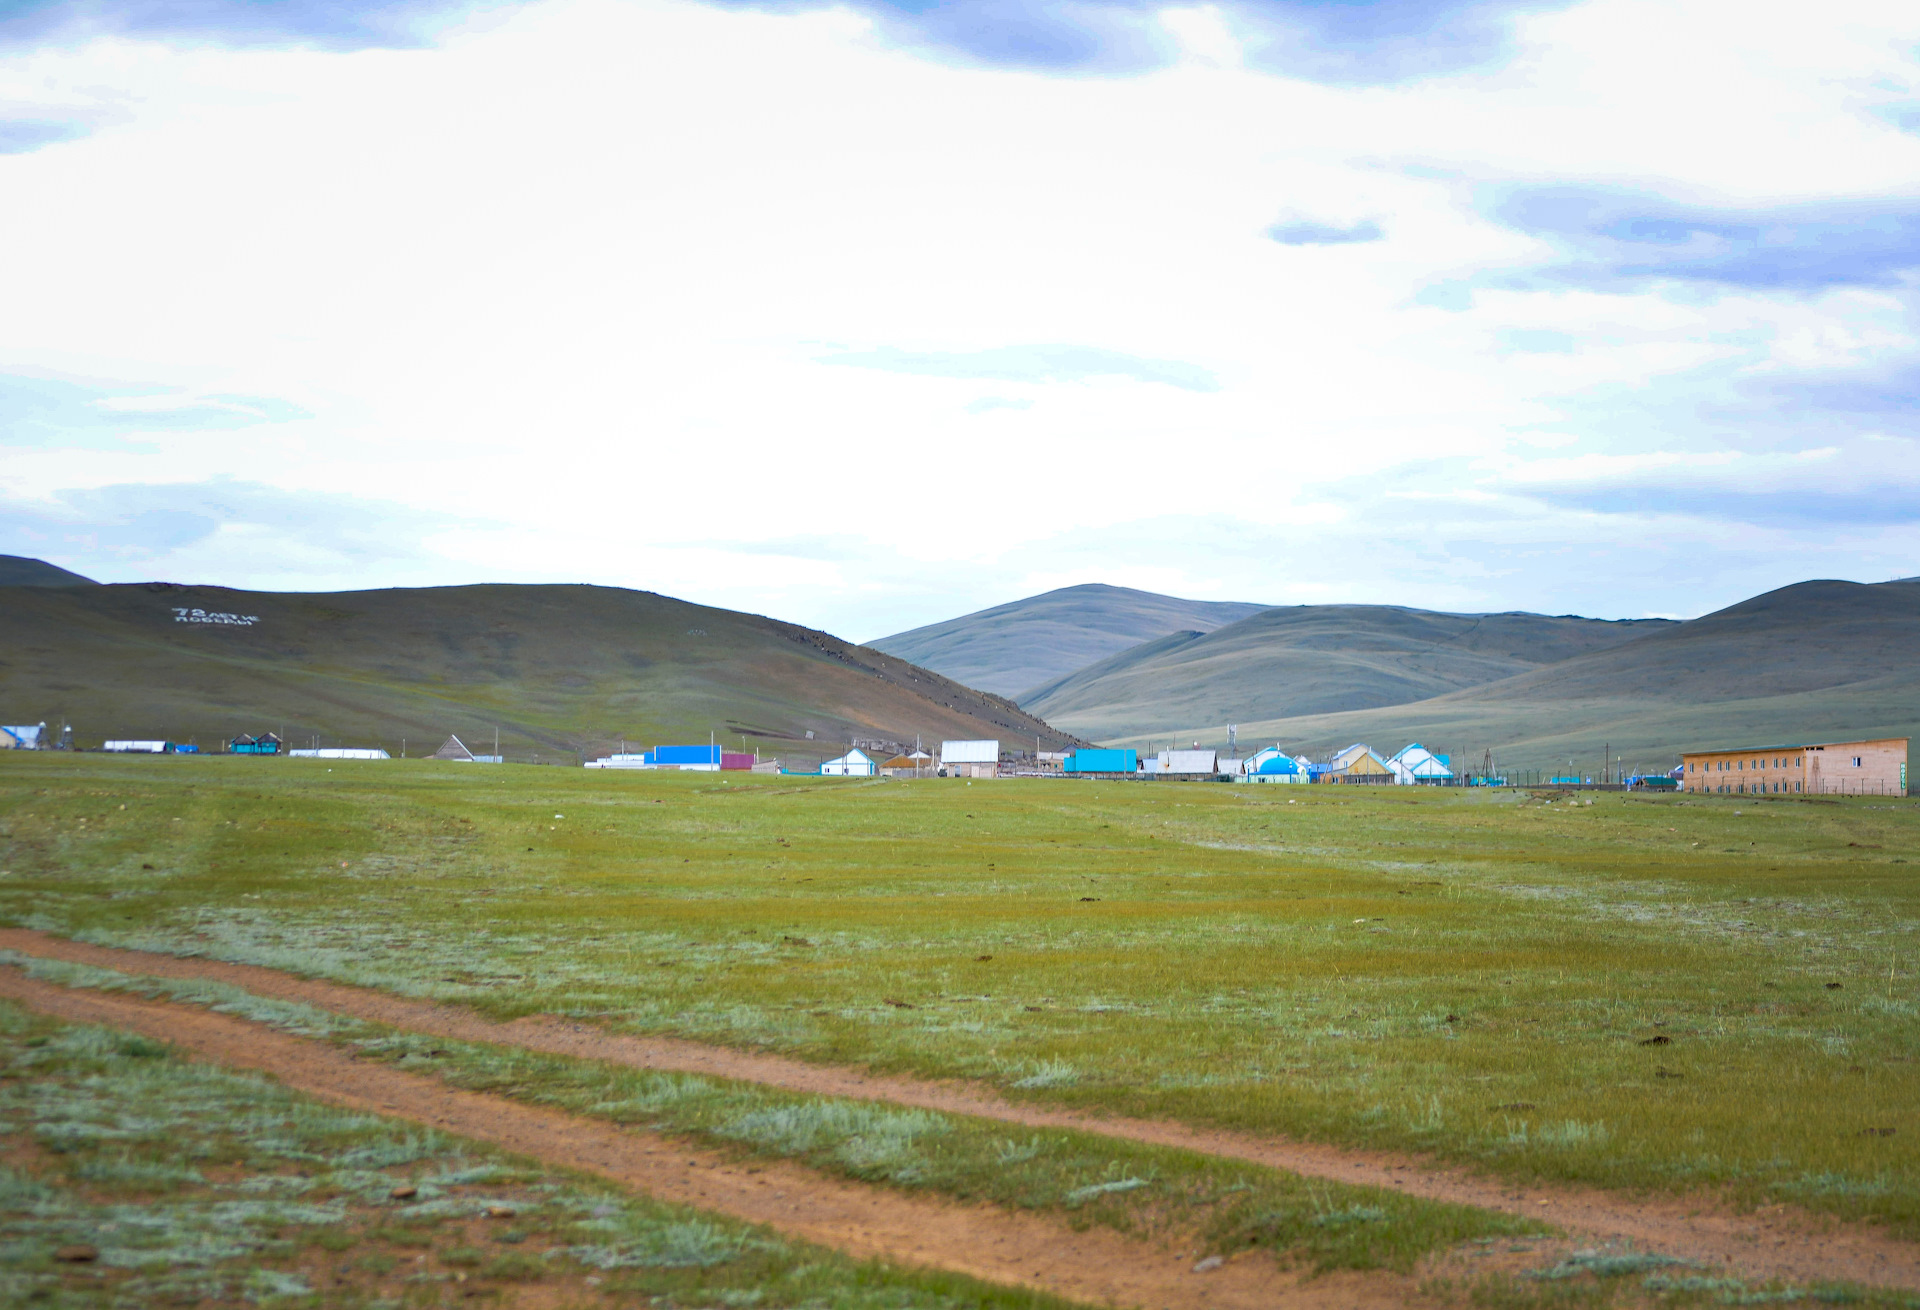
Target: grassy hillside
{"type": "Point", "coordinates": [1027, 643]}
{"type": "Point", "coordinates": [1811, 662]}
{"type": "Point", "coordinates": [1313, 659]}
{"type": "Point", "coordinates": [557, 669]}
{"type": "Point", "coordinates": [21, 571]}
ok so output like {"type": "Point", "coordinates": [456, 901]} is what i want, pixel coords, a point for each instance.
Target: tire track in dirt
{"type": "Point", "coordinates": [1001, 1246]}
{"type": "Point", "coordinates": [1782, 1242]}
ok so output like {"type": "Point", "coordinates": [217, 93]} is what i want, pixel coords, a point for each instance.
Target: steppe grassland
{"type": "Point", "coordinates": [193, 1184]}
{"type": "Point", "coordinates": [1197, 1202]}
{"type": "Point", "coordinates": [1482, 976]}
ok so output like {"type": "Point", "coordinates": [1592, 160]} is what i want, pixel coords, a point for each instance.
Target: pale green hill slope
{"type": "Point", "coordinates": [1812, 662]}
{"type": "Point", "coordinates": [1312, 659]}
{"type": "Point", "coordinates": [1026, 643]}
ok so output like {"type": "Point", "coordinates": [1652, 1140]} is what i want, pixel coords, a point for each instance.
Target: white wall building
{"type": "Point", "coordinates": [340, 753]}
{"type": "Point", "coordinates": [856, 763]}
{"type": "Point", "coordinates": [1416, 764]}
{"type": "Point", "coordinates": [970, 759]}
{"type": "Point", "coordinates": [1186, 764]}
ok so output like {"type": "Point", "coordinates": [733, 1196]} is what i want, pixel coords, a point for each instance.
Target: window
{"type": "Point", "coordinates": [1856, 761]}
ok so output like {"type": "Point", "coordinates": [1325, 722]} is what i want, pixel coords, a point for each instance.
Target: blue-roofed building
{"type": "Point", "coordinates": [1415, 764]}
{"type": "Point", "coordinates": [1102, 761]}
{"type": "Point", "coordinates": [1274, 765]}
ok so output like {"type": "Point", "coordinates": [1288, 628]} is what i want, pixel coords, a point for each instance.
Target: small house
{"type": "Point", "coordinates": [914, 764]}
{"type": "Point", "coordinates": [1359, 763]}
{"type": "Point", "coordinates": [22, 737]}
{"type": "Point", "coordinates": [856, 763]}
{"type": "Point", "coordinates": [970, 759]}
{"type": "Point", "coordinates": [1273, 765]}
{"type": "Point", "coordinates": [455, 750]}
{"type": "Point", "coordinates": [266, 743]}
{"type": "Point", "coordinates": [1415, 764]}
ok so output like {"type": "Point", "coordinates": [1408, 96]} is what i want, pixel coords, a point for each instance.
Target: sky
{"type": "Point", "coordinates": [867, 314]}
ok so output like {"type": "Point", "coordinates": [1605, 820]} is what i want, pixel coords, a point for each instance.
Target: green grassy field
{"type": "Point", "coordinates": [1642, 993]}
{"type": "Point", "coordinates": [193, 1185]}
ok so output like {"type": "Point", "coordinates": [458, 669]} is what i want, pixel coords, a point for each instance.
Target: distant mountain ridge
{"type": "Point", "coordinates": [1313, 659]}
{"type": "Point", "coordinates": [1816, 661]}
{"type": "Point", "coordinates": [558, 669]}
{"type": "Point", "coordinates": [1023, 644]}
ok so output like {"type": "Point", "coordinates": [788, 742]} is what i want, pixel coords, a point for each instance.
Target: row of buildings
{"type": "Point", "coordinates": [1410, 765]}
{"type": "Point", "coordinates": [984, 759]}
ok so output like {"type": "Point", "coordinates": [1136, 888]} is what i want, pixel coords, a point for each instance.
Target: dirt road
{"type": "Point", "coordinates": [1781, 1242]}
{"type": "Point", "coordinates": [875, 1223]}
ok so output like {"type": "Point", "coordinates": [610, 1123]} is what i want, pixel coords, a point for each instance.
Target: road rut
{"type": "Point", "coordinates": [1779, 1243]}
{"type": "Point", "coordinates": [1001, 1246]}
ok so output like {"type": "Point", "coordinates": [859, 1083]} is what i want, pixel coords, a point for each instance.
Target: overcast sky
{"type": "Point", "coordinates": [867, 315]}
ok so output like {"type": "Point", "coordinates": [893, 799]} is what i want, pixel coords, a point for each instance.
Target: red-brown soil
{"type": "Point", "coordinates": [1001, 1246]}
{"type": "Point", "coordinates": [1781, 1242]}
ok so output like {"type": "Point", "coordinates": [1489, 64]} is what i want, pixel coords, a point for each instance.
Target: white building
{"type": "Point", "coordinates": [1186, 764]}
{"type": "Point", "coordinates": [1416, 764]}
{"type": "Point", "coordinates": [340, 753]}
{"type": "Point", "coordinates": [970, 759]}
{"type": "Point", "coordinates": [856, 763]}
{"type": "Point", "coordinates": [21, 737]}
{"type": "Point", "coordinates": [136, 747]}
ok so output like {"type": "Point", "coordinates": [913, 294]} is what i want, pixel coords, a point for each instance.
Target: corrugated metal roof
{"type": "Point", "coordinates": [970, 752]}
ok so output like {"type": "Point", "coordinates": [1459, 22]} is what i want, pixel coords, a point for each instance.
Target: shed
{"type": "Point", "coordinates": [455, 750]}
{"type": "Point", "coordinates": [970, 759]}
{"type": "Point", "coordinates": [910, 765]}
{"type": "Point", "coordinates": [856, 763]}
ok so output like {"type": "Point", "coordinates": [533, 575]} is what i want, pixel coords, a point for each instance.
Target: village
{"type": "Point", "coordinates": [1859, 768]}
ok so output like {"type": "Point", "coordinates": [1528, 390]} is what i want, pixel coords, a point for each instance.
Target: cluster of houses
{"type": "Point", "coordinates": [1409, 766]}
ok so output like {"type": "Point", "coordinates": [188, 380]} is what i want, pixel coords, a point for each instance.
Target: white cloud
{"type": "Point", "coordinates": [555, 294]}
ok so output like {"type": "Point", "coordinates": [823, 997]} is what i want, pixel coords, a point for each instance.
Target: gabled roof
{"type": "Point", "coordinates": [455, 749]}
{"type": "Point", "coordinates": [1361, 758]}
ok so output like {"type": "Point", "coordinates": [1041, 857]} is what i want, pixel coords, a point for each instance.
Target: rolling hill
{"type": "Point", "coordinates": [1039, 640]}
{"type": "Point", "coordinates": [558, 669]}
{"type": "Point", "coordinates": [1312, 659]}
{"type": "Point", "coordinates": [22, 571]}
{"type": "Point", "coordinates": [1815, 661]}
